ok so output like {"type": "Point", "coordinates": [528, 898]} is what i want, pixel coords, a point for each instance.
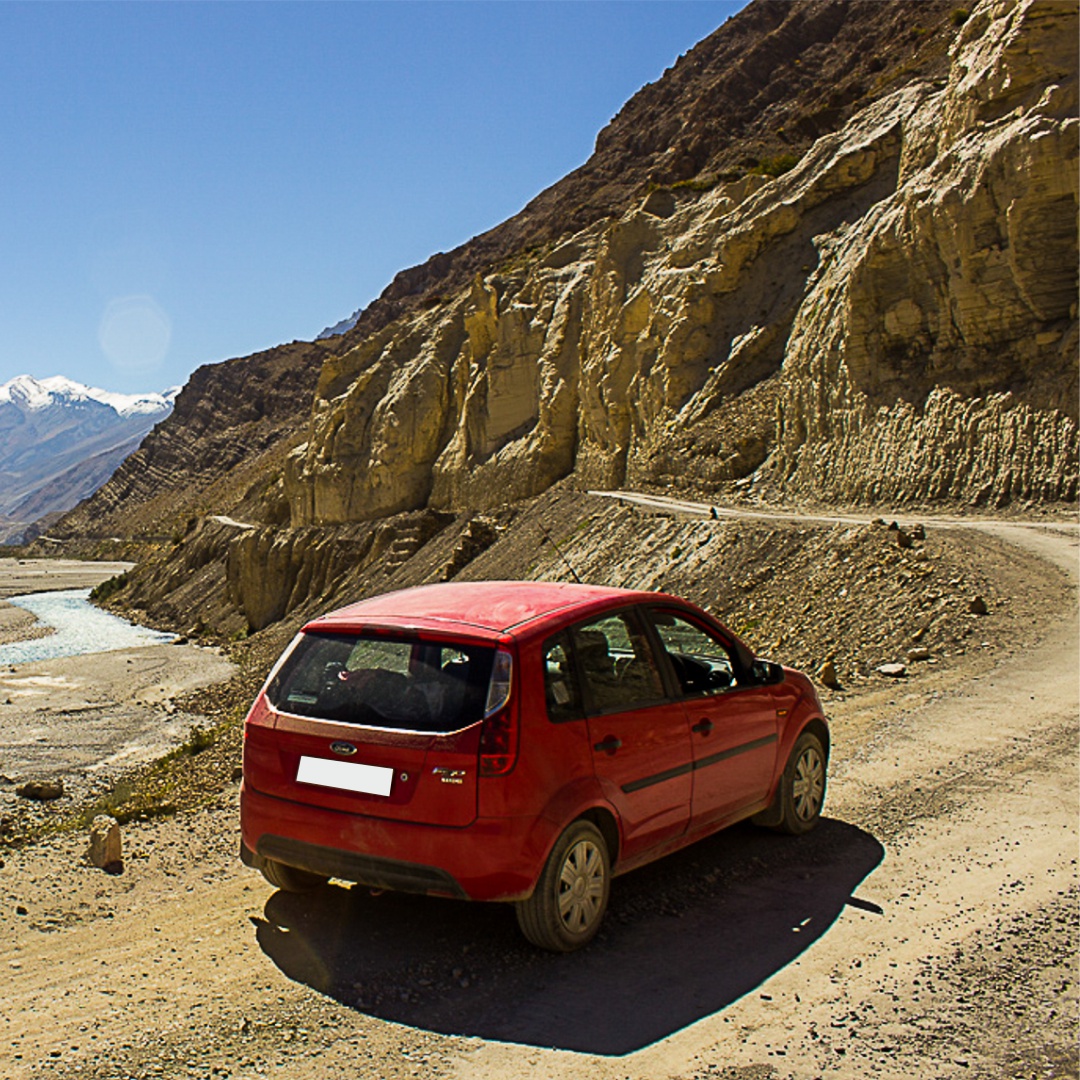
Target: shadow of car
{"type": "Point", "coordinates": [685, 937]}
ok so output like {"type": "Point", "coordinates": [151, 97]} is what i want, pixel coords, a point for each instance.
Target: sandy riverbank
{"type": "Point", "coordinates": [86, 718]}
{"type": "Point", "coordinates": [18, 576]}
{"type": "Point", "coordinates": [19, 625]}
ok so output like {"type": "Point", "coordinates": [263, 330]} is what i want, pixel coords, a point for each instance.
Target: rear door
{"type": "Point", "coordinates": [640, 738]}
{"type": "Point", "coordinates": [733, 725]}
{"type": "Point", "coordinates": [376, 725]}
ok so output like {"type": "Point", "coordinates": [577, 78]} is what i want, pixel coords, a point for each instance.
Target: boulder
{"type": "Point", "coordinates": [827, 675]}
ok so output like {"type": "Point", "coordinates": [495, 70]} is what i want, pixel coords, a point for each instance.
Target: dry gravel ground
{"type": "Point", "coordinates": [927, 929]}
{"type": "Point", "coordinates": [87, 720]}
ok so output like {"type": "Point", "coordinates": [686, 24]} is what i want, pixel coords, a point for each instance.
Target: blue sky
{"type": "Point", "coordinates": [184, 183]}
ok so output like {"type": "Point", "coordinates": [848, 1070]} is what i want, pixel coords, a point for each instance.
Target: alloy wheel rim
{"type": "Point", "coordinates": [808, 789]}
{"type": "Point", "coordinates": [581, 887]}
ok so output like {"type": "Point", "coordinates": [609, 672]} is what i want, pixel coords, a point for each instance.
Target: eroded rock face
{"type": "Point", "coordinates": [271, 571]}
{"type": "Point", "coordinates": [935, 355]}
{"type": "Point", "coordinates": [893, 319]}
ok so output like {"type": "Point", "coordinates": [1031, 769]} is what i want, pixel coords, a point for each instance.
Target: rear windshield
{"type": "Point", "coordinates": [384, 682]}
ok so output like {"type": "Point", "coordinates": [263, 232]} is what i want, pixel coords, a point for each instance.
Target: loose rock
{"type": "Point", "coordinates": [893, 671]}
{"type": "Point", "coordinates": [827, 675]}
{"type": "Point", "coordinates": [41, 790]}
{"type": "Point", "coordinates": [105, 844]}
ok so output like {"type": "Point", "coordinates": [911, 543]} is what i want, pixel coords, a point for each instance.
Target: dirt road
{"type": "Point", "coordinates": [927, 929]}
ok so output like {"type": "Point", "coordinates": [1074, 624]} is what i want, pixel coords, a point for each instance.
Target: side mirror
{"type": "Point", "coordinates": [767, 672]}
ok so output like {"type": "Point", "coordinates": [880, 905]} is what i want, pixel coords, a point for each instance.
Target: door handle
{"type": "Point", "coordinates": [609, 745]}
{"type": "Point", "coordinates": [703, 727]}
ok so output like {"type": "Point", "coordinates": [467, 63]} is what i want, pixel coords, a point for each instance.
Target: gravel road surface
{"type": "Point", "coordinates": [927, 929]}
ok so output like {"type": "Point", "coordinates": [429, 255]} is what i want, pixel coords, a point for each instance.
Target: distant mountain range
{"type": "Point", "coordinates": [60, 441]}
{"type": "Point", "coordinates": [342, 327]}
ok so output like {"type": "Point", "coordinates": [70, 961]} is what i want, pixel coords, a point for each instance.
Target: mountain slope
{"type": "Point", "coordinates": [892, 319]}
{"type": "Point", "coordinates": [231, 426]}
{"type": "Point", "coordinates": [756, 91]}
{"type": "Point", "coordinates": [762, 86]}
{"type": "Point", "coordinates": [60, 440]}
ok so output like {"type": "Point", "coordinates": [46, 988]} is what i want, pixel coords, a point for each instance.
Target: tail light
{"type": "Point", "coordinates": [499, 735]}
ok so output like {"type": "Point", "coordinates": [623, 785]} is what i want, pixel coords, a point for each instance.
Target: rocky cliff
{"type": "Point", "coordinates": [892, 319]}
{"type": "Point", "coordinates": [751, 97]}
{"type": "Point", "coordinates": [935, 355]}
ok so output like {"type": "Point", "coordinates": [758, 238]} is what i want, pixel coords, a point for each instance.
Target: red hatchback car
{"type": "Point", "coordinates": [519, 741]}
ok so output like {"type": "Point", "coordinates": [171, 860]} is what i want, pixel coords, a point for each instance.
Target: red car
{"type": "Point", "coordinates": [519, 741]}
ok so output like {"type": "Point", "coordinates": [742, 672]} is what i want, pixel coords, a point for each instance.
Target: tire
{"type": "Point", "coordinates": [803, 786]}
{"type": "Point", "coordinates": [568, 904]}
{"type": "Point", "coordinates": [290, 878]}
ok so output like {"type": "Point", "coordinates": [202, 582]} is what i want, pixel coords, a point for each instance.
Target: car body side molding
{"type": "Point", "coordinates": [701, 763]}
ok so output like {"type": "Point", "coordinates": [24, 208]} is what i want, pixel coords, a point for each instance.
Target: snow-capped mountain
{"type": "Point", "coordinates": [30, 394]}
{"type": "Point", "coordinates": [61, 440]}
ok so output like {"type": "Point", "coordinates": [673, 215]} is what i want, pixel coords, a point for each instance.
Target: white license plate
{"type": "Point", "coordinates": [346, 775]}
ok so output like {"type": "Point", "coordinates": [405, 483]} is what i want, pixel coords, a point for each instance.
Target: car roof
{"type": "Point", "coordinates": [490, 607]}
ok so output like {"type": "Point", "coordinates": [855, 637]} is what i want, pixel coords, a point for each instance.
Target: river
{"type": "Point", "coordinates": [80, 628]}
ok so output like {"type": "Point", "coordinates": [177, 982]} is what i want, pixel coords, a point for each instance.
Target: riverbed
{"type": "Point", "coordinates": [22, 576]}
{"type": "Point", "coordinates": [85, 718]}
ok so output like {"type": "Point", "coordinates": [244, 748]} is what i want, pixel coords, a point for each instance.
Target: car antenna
{"type": "Point", "coordinates": [548, 538]}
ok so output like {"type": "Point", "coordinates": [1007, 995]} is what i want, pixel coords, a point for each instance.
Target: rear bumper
{"type": "Point", "coordinates": [349, 866]}
{"type": "Point", "coordinates": [491, 859]}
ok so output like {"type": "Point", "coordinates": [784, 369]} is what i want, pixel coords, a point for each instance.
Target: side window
{"type": "Point", "coordinates": [617, 664]}
{"type": "Point", "coordinates": [560, 683]}
{"type": "Point", "coordinates": [702, 662]}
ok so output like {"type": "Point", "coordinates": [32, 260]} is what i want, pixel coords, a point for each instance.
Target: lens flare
{"type": "Point", "coordinates": [135, 333]}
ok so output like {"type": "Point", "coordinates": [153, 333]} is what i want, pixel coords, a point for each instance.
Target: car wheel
{"type": "Point", "coordinates": [803, 786]}
{"type": "Point", "coordinates": [565, 909]}
{"type": "Point", "coordinates": [290, 878]}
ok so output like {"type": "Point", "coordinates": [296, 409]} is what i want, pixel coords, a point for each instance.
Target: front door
{"type": "Point", "coordinates": [733, 725]}
{"type": "Point", "coordinates": [640, 738]}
